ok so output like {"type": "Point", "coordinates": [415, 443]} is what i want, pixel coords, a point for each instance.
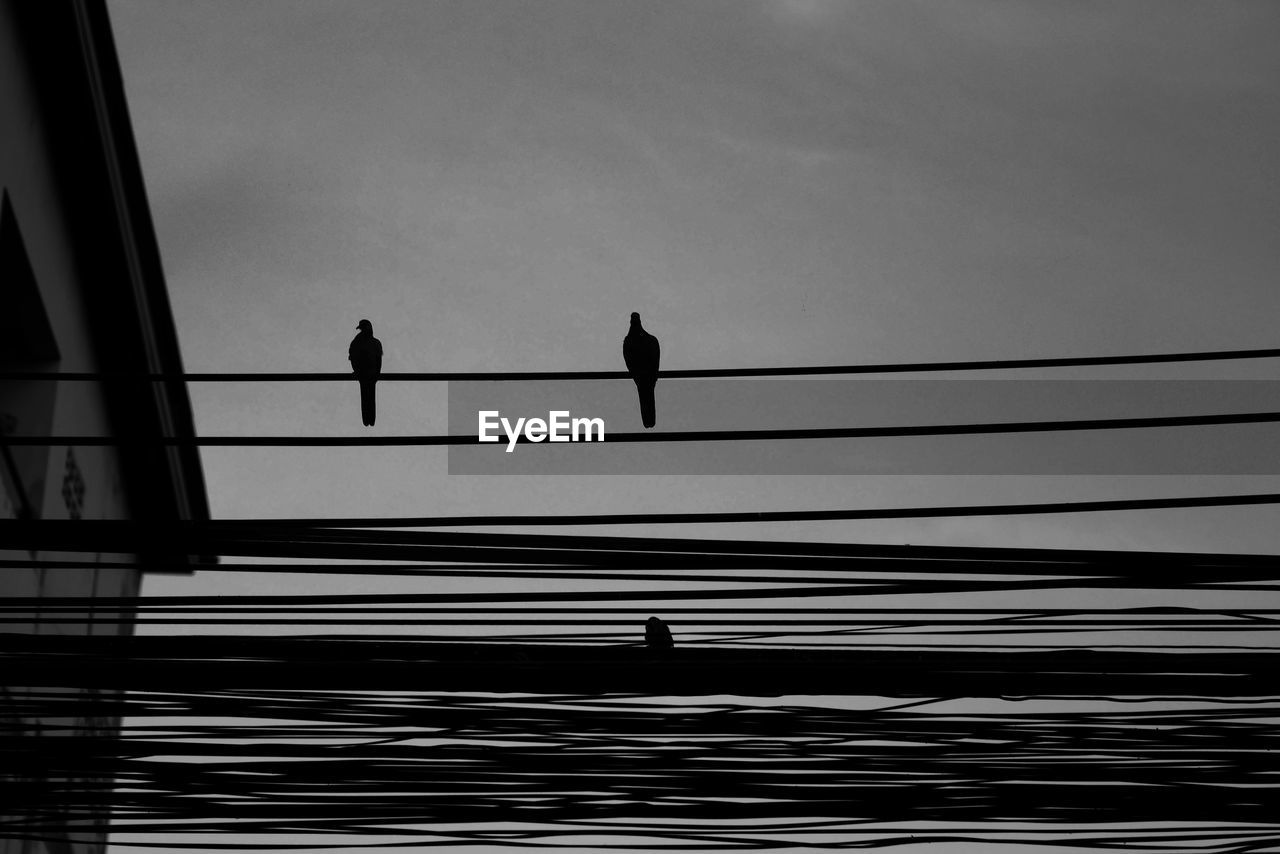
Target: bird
{"type": "Point", "coordinates": [641, 352]}
{"type": "Point", "coordinates": [365, 354]}
{"type": "Point", "coordinates": [657, 635]}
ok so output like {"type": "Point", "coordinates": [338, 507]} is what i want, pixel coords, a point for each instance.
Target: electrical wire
{"type": "Point", "coordinates": [699, 373]}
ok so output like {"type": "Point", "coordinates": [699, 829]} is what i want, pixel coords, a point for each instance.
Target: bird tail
{"type": "Point", "coordinates": [368, 402]}
{"type": "Point", "coordinates": [648, 406]}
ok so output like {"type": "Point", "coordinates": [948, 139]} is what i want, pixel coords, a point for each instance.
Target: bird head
{"type": "Point", "coordinates": [635, 318]}
{"type": "Point", "coordinates": [365, 326]}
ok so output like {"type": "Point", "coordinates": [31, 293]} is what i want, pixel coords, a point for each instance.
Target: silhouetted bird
{"type": "Point", "coordinates": [365, 354]}
{"type": "Point", "coordinates": [657, 635]}
{"type": "Point", "coordinates": [640, 351]}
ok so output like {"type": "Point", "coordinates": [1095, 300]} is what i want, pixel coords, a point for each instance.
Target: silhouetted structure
{"type": "Point", "coordinates": [657, 635]}
{"type": "Point", "coordinates": [81, 290]}
{"type": "Point", "coordinates": [365, 354]}
{"type": "Point", "coordinates": [641, 352]}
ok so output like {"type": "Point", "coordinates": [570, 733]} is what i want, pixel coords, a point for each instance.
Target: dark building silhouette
{"type": "Point", "coordinates": [81, 289]}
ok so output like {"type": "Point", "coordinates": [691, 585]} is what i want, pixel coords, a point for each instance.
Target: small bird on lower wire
{"type": "Point", "coordinates": [657, 635]}
{"type": "Point", "coordinates": [365, 354]}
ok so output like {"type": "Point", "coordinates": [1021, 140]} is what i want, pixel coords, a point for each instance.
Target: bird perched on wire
{"type": "Point", "coordinates": [657, 635]}
{"type": "Point", "coordinates": [641, 352]}
{"type": "Point", "coordinates": [365, 354]}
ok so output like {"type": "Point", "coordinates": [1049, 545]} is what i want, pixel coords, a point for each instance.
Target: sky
{"type": "Point", "coordinates": [497, 184]}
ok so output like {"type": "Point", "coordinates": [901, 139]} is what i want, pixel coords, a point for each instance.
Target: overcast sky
{"type": "Point", "coordinates": [496, 184]}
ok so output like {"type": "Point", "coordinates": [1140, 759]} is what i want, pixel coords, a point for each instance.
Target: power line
{"type": "Point", "coordinates": [395, 603]}
{"type": "Point", "coordinates": [672, 436]}
{"type": "Point", "coordinates": [697, 373]}
{"type": "Point", "coordinates": [875, 580]}
{"type": "Point", "coordinates": [517, 520]}
{"type": "Point", "coordinates": [232, 538]}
